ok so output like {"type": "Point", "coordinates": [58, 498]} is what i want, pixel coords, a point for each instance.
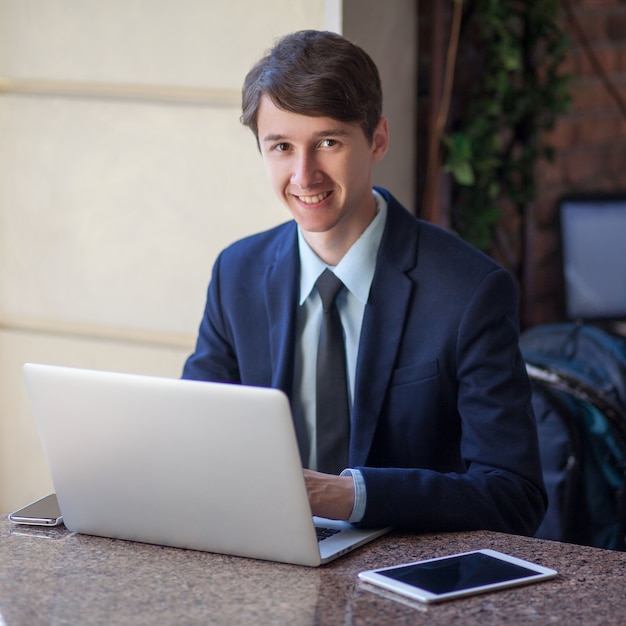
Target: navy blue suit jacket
{"type": "Point", "coordinates": [442, 426]}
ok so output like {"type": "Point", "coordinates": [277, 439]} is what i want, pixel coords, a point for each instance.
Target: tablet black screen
{"type": "Point", "coordinates": [458, 573]}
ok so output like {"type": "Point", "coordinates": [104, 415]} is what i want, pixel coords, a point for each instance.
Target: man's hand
{"type": "Point", "coordinates": [329, 495]}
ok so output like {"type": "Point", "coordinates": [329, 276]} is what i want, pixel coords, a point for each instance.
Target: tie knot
{"type": "Point", "coordinates": [328, 286]}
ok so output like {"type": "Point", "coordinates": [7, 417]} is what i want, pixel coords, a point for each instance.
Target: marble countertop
{"type": "Point", "coordinates": [52, 576]}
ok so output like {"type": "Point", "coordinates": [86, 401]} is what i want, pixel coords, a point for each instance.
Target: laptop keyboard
{"type": "Point", "coordinates": [325, 533]}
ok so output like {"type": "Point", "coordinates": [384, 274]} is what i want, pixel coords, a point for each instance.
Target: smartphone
{"type": "Point", "coordinates": [42, 512]}
{"type": "Point", "coordinates": [456, 576]}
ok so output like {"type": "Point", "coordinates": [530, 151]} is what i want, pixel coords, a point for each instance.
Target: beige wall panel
{"type": "Point", "coordinates": [113, 212]}
{"type": "Point", "coordinates": [172, 42]}
{"type": "Point", "coordinates": [388, 32]}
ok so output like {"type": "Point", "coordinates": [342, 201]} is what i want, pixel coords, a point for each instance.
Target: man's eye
{"type": "Point", "coordinates": [328, 143]}
{"type": "Point", "coordinates": [281, 147]}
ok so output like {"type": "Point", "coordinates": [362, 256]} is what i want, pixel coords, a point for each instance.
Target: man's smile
{"type": "Point", "coordinates": [313, 199]}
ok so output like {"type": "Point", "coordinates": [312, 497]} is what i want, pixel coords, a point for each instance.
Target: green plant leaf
{"type": "Point", "coordinates": [498, 137]}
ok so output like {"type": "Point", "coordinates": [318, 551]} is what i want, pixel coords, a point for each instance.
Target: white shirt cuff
{"type": "Point", "coordinates": [360, 495]}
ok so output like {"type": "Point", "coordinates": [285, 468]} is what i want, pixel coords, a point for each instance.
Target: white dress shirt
{"type": "Point", "coordinates": [356, 271]}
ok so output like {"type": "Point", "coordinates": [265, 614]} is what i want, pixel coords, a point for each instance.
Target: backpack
{"type": "Point", "coordinates": [578, 375]}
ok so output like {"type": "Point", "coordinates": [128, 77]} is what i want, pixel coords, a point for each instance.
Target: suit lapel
{"type": "Point", "coordinates": [383, 325]}
{"type": "Point", "coordinates": [281, 294]}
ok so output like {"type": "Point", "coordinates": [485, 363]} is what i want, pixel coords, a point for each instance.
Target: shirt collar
{"type": "Point", "coordinates": [356, 268]}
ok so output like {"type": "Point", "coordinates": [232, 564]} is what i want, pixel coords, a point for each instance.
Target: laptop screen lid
{"type": "Point", "coordinates": [189, 464]}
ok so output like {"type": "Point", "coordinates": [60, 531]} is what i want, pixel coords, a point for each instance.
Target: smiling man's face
{"type": "Point", "coordinates": [322, 171]}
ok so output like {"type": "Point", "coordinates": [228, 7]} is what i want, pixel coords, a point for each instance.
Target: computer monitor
{"type": "Point", "coordinates": [593, 240]}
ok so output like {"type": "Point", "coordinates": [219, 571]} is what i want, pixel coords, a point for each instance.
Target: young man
{"type": "Point", "coordinates": [441, 431]}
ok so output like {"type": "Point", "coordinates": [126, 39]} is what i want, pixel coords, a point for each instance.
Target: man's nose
{"type": "Point", "coordinates": [306, 172]}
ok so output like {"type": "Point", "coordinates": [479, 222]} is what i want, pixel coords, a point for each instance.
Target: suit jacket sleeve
{"type": "Point", "coordinates": [247, 331]}
{"type": "Point", "coordinates": [456, 446]}
{"type": "Point", "coordinates": [213, 358]}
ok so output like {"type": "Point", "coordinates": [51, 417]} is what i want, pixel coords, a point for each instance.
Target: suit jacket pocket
{"type": "Point", "coordinates": [415, 373]}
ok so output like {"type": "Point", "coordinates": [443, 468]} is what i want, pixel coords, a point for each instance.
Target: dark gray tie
{"type": "Point", "coordinates": [333, 412]}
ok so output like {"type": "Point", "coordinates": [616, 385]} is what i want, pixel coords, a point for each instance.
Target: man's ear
{"type": "Point", "coordinates": [380, 140]}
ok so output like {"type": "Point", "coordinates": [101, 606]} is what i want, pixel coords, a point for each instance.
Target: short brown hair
{"type": "Point", "coordinates": [319, 74]}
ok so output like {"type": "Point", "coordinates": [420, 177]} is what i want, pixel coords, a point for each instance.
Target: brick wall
{"type": "Point", "coordinates": [590, 140]}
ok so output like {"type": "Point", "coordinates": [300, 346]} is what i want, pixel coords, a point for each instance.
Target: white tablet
{"type": "Point", "coordinates": [458, 575]}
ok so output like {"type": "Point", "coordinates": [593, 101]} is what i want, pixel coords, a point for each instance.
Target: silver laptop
{"type": "Point", "coordinates": [198, 465]}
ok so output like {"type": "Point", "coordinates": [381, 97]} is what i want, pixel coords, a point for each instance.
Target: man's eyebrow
{"type": "Point", "coordinates": [274, 137]}
{"type": "Point", "coordinates": [330, 132]}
